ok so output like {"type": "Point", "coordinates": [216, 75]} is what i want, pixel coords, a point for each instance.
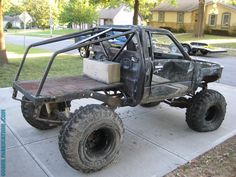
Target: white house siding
{"type": "Point", "coordinates": [124, 17]}
{"type": "Point", "coordinates": [4, 23]}
{"type": "Point", "coordinates": [101, 21]}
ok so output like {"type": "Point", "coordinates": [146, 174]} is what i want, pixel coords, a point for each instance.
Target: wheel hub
{"type": "Point", "coordinates": [99, 142]}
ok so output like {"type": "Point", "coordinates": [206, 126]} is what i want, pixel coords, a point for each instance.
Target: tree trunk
{"type": "Point", "coordinates": [199, 30]}
{"type": "Point", "coordinates": [136, 12]}
{"type": "Point", "coordinates": [3, 54]}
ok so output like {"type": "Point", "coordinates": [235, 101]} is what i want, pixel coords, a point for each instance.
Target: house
{"type": "Point", "coordinates": [13, 20]}
{"type": "Point", "coordinates": [219, 17]}
{"type": "Point", "coordinates": [122, 15]}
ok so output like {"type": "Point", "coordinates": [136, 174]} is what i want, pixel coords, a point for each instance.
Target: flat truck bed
{"type": "Point", "coordinates": [65, 88]}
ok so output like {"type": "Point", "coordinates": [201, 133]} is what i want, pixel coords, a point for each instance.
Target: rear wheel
{"type": "Point", "coordinates": [31, 113]}
{"type": "Point", "coordinates": [207, 111]}
{"type": "Point", "coordinates": [204, 52]}
{"type": "Point", "coordinates": [91, 139]}
{"type": "Point", "coordinates": [186, 48]}
{"type": "Point", "coordinates": [194, 52]}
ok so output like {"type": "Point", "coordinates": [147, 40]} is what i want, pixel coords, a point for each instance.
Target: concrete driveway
{"type": "Point", "coordinates": [157, 140]}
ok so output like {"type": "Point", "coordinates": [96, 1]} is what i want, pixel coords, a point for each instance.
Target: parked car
{"type": "Point", "coordinates": [116, 42]}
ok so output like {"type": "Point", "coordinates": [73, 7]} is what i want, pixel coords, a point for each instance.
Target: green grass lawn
{"type": "Point", "coordinates": [227, 45]}
{"type": "Point", "coordinates": [19, 49]}
{"type": "Point", "coordinates": [34, 68]}
{"type": "Point", "coordinates": [42, 33]}
{"type": "Point", "coordinates": [64, 65]}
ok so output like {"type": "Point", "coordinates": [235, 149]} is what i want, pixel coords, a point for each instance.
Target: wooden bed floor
{"type": "Point", "coordinates": [64, 86]}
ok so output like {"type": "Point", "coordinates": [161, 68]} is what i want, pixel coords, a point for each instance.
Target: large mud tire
{"type": "Point", "coordinates": [91, 139]}
{"type": "Point", "coordinates": [207, 111]}
{"type": "Point", "coordinates": [30, 113]}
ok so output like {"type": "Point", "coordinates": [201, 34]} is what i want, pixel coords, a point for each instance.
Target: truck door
{"type": "Point", "coordinates": [171, 71]}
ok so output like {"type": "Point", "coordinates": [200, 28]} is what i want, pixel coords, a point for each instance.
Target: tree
{"type": "Point", "coordinates": [15, 9]}
{"type": "Point", "coordinates": [199, 30]}
{"type": "Point", "coordinates": [40, 12]}
{"type": "Point", "coordinates": [146, 5]}
{"type": "Point", "coordinates": [3, 53]}
{"type": "Point", "coordinates": [233, 2]}
{"type": "Point", "coordinates": [79, 12]}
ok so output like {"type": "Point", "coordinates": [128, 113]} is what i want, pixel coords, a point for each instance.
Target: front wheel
{"type": "Point", "coordinates": [91, 139]}
{"type": "Point", "coordinates": [207, 111]}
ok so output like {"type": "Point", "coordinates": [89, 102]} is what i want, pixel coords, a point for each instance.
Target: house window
{"type": "Point", "coordinates": [212, 20]}
{"type": "Point", "coordinates": [225, 20]}
{"type": "Point", "coordinates": [161, 16]}
{"type": "Point", "coordinates": [180, 17]}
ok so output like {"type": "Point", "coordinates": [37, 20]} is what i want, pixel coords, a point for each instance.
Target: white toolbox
{"type": "Point", "coordinates": [104, 71]}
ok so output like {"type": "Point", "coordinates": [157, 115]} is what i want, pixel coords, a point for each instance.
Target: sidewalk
{"type": "Point", "coordinates": [157, 140]}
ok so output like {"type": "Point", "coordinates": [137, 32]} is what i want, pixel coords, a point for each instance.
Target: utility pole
{"type": "Point", "coordinates": [50, 18]}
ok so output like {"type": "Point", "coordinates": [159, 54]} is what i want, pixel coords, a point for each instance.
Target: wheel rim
{"type": "Point", "coordinates": [82, 51]}
{"type": "Point", "coordinates": [211, 114]}
{"type": "Point", "coordinates": [185, 49]}
{"type": "Point", "coordinates": [100, 143]}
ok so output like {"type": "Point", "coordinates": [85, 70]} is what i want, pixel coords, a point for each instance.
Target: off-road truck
{"type": "Point", "coordinates": [153, 68]}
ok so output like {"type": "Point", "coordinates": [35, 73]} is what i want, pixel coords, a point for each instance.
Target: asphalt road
{"type": "Point", "coordinates": [229, 62]}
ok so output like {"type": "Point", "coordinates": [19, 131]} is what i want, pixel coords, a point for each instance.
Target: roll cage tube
{"type": "Point", "coordinates": [75, 46]}
{"type": "Point", "coordinates": [57, 39]}
{"type": "Point", "coordinates": [98, 31]}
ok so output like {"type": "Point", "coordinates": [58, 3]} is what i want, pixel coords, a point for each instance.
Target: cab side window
{"type": "Point", "coordinates": [163, 47]}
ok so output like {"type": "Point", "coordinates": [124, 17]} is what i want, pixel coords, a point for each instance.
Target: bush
{"type": "Point", "coordinates": [220, 32]}
{"type": "Point", "coordinates": [207, 30]}
{"type": "Point", "coordinates": [181, 30]}
{"type": "Point", "coordinates": [166, 27]}
{"type": "Point", "coordinates": [8, 25]}
{"type": "Point", "coordinates": [169, 28]}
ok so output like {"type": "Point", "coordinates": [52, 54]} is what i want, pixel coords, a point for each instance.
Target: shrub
{"type": "Point", "coordinates": [181, 30]}
{"type": "Point", "coordinates": [9, 25]}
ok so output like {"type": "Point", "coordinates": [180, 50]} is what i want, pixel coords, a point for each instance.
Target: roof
{"type": "Point", "coordinates": [7, 18]}
{"type": "Point", "coordinates": [186, 6]}
{"type": "Point", "coordinates": [227, 5]}
{"type": "Point", "coordinates": [11, 18]}
{"type": "Point", "coordinates": [109, 13]}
